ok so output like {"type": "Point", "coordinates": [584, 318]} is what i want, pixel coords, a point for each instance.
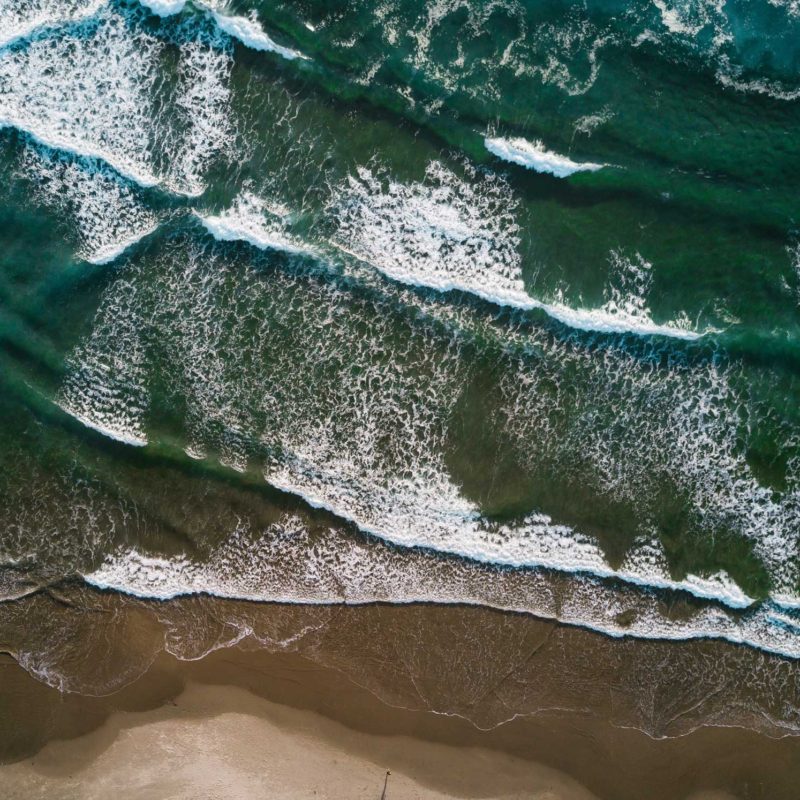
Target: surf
{"type": "Point", "coordinates": [535, 156]}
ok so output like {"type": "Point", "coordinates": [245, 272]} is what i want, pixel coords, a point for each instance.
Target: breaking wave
{"type": "Point", "coordinates": [534, 155]}
{"type": "Point", "coordinates": [284, 563]}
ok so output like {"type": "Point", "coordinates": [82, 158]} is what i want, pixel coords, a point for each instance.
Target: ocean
{"type": "Point", "coordinates": [469, 303]}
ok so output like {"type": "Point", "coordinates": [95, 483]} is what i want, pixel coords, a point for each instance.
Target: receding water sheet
{"type": "Point", "coordinates": [431, 359]}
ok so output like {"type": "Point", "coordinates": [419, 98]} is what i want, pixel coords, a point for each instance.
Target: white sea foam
{"type": "Point", "coordinates": [442, 520]}
{"type": "Point", "coordinates": [731, 78]}
{"type": "Point", "coordinates": [588, 123]}
{"type": "Point", "coordinates": [284, 563]}
{"type": "Point", "coordinates": [97, 92]}
{"type": "Point", "coordinates": [446, 233]}
{"type": "Point", "coordinates": [534, 155]}
{"type": "Point", "coordinates": [164, 8]}
{"type": "Point", "coordinates": [792, 7]}
{"type": "Point", "coordinates": [251, 220]}
{"type": "Point", "coordinates": [107, 215]}
{"type": "Point", "coordinates": [563, 53]}
{"type": "Point", "coordinates": [349, 407]}
{"type": "Point", "coordinates": [676, 20]}
{"type": "Point", "coordinates": [21, 18]}
{"type": "Point", "coordinates": [54, 141]}
{"type": "Point", "coordinates": [86, 94]}
{"type": "Point", "coordinates": [252, 35]}
{"type": "Point", "coordinates": [608, 320]}
{"type": "Point", "coordinates": [424, 508]}
{"type": "Point", "coordinates": [680, 426]}
{"type": "Point", "coordinates": [246, 29]}
{"type": "Point", "coordinates": [111, 252]}
{"type": "Point", "coordinates": [625, 309]}
{"type": "Point", "coordinates": [118, 434]}
{"type": "Point", "coordinates": [105, 390]}
{"type": "Point", "coordinates": [707, 28]}
{"type": "Point", "coordinates": [203, 102]}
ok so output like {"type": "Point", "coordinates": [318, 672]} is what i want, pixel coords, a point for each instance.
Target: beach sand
{"type": "Point", "coordinates": [221, 742]}
{"type": "Point", "coordinates": [252, 724]}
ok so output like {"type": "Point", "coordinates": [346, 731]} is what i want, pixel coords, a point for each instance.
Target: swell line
{"type": "Point", "coordinates": [228, 227]}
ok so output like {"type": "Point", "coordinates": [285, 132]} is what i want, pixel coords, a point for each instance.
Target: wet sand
{"type": "Point", "coordinates": [241, 724]}
{"type": "Point", "coordinates": [223, 742]}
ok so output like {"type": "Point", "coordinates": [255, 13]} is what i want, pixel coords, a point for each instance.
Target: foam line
{"type": "Point", "coordinates": [65, 144]}
{"type": "Point", "coordinates": [238, 225]}
{"type": "Point", "coordinates": [110, 432]}
{"type": "Point", "coordinates": [550, 546]}
{"type": "Point", "coordinates": [164, 8]}
{"type": "Point", "coordinates": [534, 155]}
{"type": "Point", "coordinates": [250, 34]}
{"type": "Point", "coordinates": [203, 103]}
{"type": "Point", "coordinates": [650, 630]}
{"type": "Point", "coordinates": [107, 215]}
{"type": "Point", "coordinates": [13, 31]}
{"type": "Point", "coordinates": [447, 233]}
{"type": "Point", "coordinates": [223, 229]}
{"type": "Point", "coordinates": [367, 444]}
{"type": "Point", "coordinates": [111, 252]}
{"type": "Point", "coordinates": [101, 390]}
{"type": "Point", "coordinates": [597, 319]}
{"type": "Point", "coordinates": [247, 221]}
{"type": "Point", "coordinates": [283, 563]}
{"type": "Point", "coordinates": [139, 176]}
{"type": "Point", "coordinates": [591, 320]}
{"type": "Point", "coordinates": [98, 104]}
{"type": "Point", "coordinates": [247, 31]}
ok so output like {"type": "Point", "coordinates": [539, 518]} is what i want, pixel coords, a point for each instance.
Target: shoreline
{"type": "Point", "coordinates": [484, 665]}
{"type": "Point", "coordinates": [320, 727]}
{"type": "Point", "coordinates": [223, 739]}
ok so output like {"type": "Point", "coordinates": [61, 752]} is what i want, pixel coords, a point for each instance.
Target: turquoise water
{"type": "Point", "coordinates": [486, 302]}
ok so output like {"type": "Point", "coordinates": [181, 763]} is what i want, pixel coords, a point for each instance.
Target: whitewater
{"type": "Point", "coordinates": [345, 280]}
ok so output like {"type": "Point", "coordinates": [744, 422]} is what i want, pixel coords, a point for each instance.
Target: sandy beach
{"type": "Point", "coordinates": [221, 742]}
{"type": "Point", "coordinates": [253, 724]}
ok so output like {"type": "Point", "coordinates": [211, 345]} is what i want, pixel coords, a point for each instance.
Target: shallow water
{"type": "Point", "coordinates": [469, 302]}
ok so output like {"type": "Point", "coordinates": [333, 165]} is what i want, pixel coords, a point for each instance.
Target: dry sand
{"type": "Point", "coordinates": [221, 742]}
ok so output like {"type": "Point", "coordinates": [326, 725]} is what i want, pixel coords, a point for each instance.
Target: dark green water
{"type": "Point", "coordinates": [289, 289]}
